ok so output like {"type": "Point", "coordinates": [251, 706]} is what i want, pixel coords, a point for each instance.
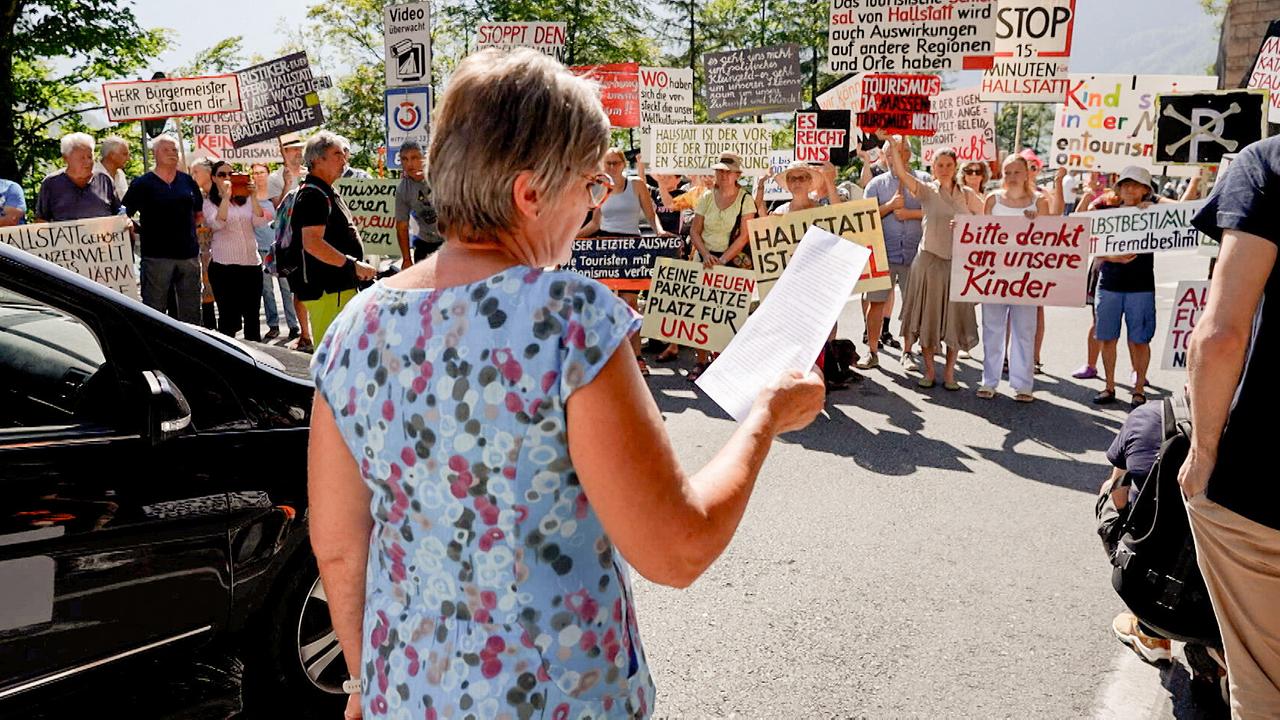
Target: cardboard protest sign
{"type": "Point", "coordinates": [406, 38]}
{"type": "Point", "coordinates": [1199, 128]}
{"type": "Point", "coordinates": [774, 189]}
{"type": "Point", "coordinates": [899, 104]}
{"type": "Point", "coordinates": [622, 263]}
{"type": "Point", "coordinates": [1265, 73]}
{"type": "Point", "coordinates": [212, 137]}
{"type": "Point", "coordinates": [1033, 45]}
{"type": "Point", "coordinates": [1019, 261]}
{"type": "Point", "coordinates": [547, 38]}
{"type": "Point", "coordinates": [774, 239]}
{"type": "Point", "coordinates": [1162, 227]}
{"type": "Point", "coordinates": [130, 100]}
{"type": "Point", "coordinates": [373, 208]}
{"type": "Point", "coordinates": [279, 96]}
{"type": "Point", "coordinates": [752, 82]}
{"type": "Point", "coordinates": [690, 305]}
{"type": "Point", "coordinates": [897, 36]}
{"type": "Point", "coordinates": [693, 149]}
{"type": "Point", "coordinates": [96, 248]}
{"type": "Point", "coordinates": [1108, 122]}
{"type": "Point", "coordinates": [666, 98]}
{"type": "Point", "coordinates": [965, 125]}
{"type": "Point", "coordinates": [1188, 302]}
{"type": "Point", "coordinates": [823, 136]}
{"type": "Point", "coordinates": [619, 91]}
{"type": "Point", "coordinates": [408, 117]}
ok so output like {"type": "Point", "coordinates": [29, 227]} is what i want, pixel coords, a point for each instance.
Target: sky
{"type": "Point", "coordinates": [1132, 36]}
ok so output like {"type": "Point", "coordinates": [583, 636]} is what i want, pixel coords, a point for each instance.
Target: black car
{"type": "Point", "coordinates": [152, 496]}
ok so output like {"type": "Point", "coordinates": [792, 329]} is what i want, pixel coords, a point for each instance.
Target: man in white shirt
{"type": "Point", "coordinates": [114, 155]}
{"type": "Point", "coordinates": [280, 182]}
{"type": "Point", "coordinates": [1070, 193]}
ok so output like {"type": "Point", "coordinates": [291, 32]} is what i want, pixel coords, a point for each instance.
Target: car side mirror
{"type": "Point", "coordinates": [168, 414]}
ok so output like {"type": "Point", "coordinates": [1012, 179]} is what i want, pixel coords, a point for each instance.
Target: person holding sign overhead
{"type": "Point", "coordinates": [928, 315]}
{"type": "Point", "coordinates": [719, 232]}
{"type": "Point", "coordinates": [1017, 196]}
{"type": "Point", "coordinates": [486, 460]}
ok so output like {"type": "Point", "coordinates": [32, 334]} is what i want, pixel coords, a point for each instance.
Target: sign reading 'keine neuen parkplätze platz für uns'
{"type": "Point", "coordinates": [1020, 261]}
{"type": "Point", "coordinates": [279, 96]}
{"type": "Point", "coordinates": [910, 36]}
{"type": "Point", "coordinates": [691, 305]}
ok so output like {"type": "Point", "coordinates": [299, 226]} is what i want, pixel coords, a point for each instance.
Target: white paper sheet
{"type": "Point", "coordinates": [789, 328]}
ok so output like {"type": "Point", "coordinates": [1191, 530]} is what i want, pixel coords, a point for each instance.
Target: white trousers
{"type": "Point", "coordinates": [1021, 321]}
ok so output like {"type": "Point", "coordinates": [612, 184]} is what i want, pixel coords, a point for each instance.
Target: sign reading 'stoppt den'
{"type": "Point", "coordinates": [1160, 228]}
{"type": "Point", "coordinates": [690, 305]}
{"type": "Point", "coordinates": [547, 38]}
{"type": "Point", "coordinates": [96, 248]}
{"type": "Point", "coordinates": [279, 96]}
{"type": "Point", "coordinates": [622, 263]}
{"type": "Point", "coordinates": [1019, 261]}
{"type": "Point", "coordinates": [774, 239]}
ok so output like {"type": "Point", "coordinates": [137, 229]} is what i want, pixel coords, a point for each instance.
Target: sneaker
{"type": "Point", "coordinates": [294, 334]}
{"type": "Point", "coordinates": [1086, 372]}
{"type": "Point", "coordinates": [888, 340]}
{"type": "Point", "coordinates": [272, 334]}
{"type": "Point", "coordinates": [1151, 649]}
{"type": "Point", "coordinates": [964, 355]}
{"type": "Point", "coordinates": [870, 363]}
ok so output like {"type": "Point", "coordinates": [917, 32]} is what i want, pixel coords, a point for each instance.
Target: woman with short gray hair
{"type": "Point", "coordinates": [486, 461]}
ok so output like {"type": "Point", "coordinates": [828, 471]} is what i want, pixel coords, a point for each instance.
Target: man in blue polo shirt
{"type": "Point", "coordinates": [13, 210]}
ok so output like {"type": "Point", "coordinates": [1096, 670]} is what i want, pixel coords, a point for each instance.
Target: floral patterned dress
{"type": "Point", "coordinates": [492, 590]}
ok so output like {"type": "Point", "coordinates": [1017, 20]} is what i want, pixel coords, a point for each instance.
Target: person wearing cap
{"type": "Point", "coordinates": [928, 315]}
{"type": "Point", "coordinates": [810, 186]}
{"type": "Point", "coordinates": [901, 216]}
{"type": "Point", "coordinates": [719, 232]}
{"type": "Point", "coordinates": [1127, 290]}
{"type": "Point", "coordinates": [290, 173]}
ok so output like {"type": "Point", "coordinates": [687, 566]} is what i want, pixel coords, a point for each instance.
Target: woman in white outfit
{"type": "Point", "coordinates": [1017, 196]}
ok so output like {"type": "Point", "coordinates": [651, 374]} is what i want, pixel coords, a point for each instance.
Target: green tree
{"type": "Point", "coordinates": [1037, 127]}
{"type": "Point", "coordinates": [102, 41]}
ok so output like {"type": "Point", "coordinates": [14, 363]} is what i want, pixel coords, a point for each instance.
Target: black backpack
{"type": "Point", "coordinates": [1154, 566]}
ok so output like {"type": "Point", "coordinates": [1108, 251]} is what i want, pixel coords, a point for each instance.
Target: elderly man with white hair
{"type": "Point", "coordinates": [76, 192]}
{"type": "Point", "coordinates": [168, 203]}
{"type": "Point", "coordinates": [113, 155]}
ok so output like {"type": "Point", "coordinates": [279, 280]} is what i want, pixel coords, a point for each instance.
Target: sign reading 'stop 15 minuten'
{"type": "Point", "coordinates": [407, 39]}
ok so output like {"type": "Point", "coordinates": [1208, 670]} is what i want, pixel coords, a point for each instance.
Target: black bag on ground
{"type": "Point", "coordinates": [1154, 565]}
{"type": "Point", "coordinates": [838, 359]}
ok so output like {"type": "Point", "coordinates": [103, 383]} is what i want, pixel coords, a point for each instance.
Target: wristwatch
{"type": "Point", "coordinates": [352, 686]}
{"type": "Point", "coordinates": [350, 264]}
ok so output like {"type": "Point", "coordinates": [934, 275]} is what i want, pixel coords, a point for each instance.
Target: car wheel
{"type": "Point", "coordinates": [294, 663]}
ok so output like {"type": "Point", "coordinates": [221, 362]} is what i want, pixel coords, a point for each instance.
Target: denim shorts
{"type": "Point", "coordinates": [1137, 309]}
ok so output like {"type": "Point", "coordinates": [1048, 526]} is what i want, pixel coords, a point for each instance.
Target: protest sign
{"type": "Point", "coordinates": [847, 95]}
{"type": "Point", "coordinates": [752, 82]}
{"type": "Point", "coordinates": [212, 139]}
{"type": "Point", "coordinates": [1033, 45]}
{"type": "Point", "coordinates": [1265, 73]}
{"type": "Point", "coordinates": [693, 149]}
{"type": "Point", "coordinates": [279, 96]}
{"type": "Point", "coordinates": [774, 188]}
{"type": "Point", "coordinates": [406, 38]}
{"type": "Point", "coordinates": [619, 91]}
{"type": "Point", "coordinates": [690, 305]}
{"type": "Point", "coordinates": [666, 98]}
{"type": "Point", "coordinates": [373, 208]}
{"type": "Point", "coordinates": [408, 117]}
{"type": "Point", "coordinates": [910, 36]}
{"type": "Point", "coordinates": [823, 136]}
{"type": "Point", "coordinates": [1199, 128]}
{"type": "Point", "coordinates": [622, 263]}
{"type": "Point", "coordinates": [547, 38]}
{"type": "Point", "coordinates": [898, 104]}
{"type": "Point", "coordinates": [1162, 227]}
{"type": "Point", "coordinates": [1190, 300]}
{"type": "Point", "coordinates": [966, 125]}
{"type": "Point", "coordinates": [96, 248]}
{"type": "Point", "coordinates": [130, 100]}
{"type": "Point", "coordinates": [1108, 122]}
{"type": "Point", "coordinates": [774, 239]}
{"type": "Point", "coordinates": [1019, 261]}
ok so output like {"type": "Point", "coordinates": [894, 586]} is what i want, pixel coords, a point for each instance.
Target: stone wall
{"type": "Point", "coordinates": [1243, 26]}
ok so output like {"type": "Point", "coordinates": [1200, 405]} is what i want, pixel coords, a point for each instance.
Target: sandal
{"type": "Point", "coordinates": [696, 371]}
{"type": "Point", "coordinates": [1024, 397]}
{"type": "Point", "coordinates": [1139, 398]}
{"type": "Point", "coordinates": [952, 386]}
{"type": "Point", "coordinates": [986, 393]}
{"type": "Point", "coordinates": [304, 345]}
{"type": "Point", "coordinates": [1106, 397]}
{"type": "Point", "coordinates": [667, 356]}
{"type": "Point", "coordinates": [925, 383]}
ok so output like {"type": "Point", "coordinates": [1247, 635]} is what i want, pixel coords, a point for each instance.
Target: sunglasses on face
{"type": "Point", "coordinates": [599, 186]}
{"type": "Point", "coordinates": [223, 174]}
{"type": "Point", "coordinates": [972, 171]}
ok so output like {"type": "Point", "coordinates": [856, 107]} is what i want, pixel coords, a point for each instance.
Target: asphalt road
{"type": "Point", "coordinates": [911, 554]}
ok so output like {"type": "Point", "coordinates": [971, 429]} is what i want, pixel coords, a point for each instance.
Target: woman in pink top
{"type": "Point", "coordinates": [235, 270]}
